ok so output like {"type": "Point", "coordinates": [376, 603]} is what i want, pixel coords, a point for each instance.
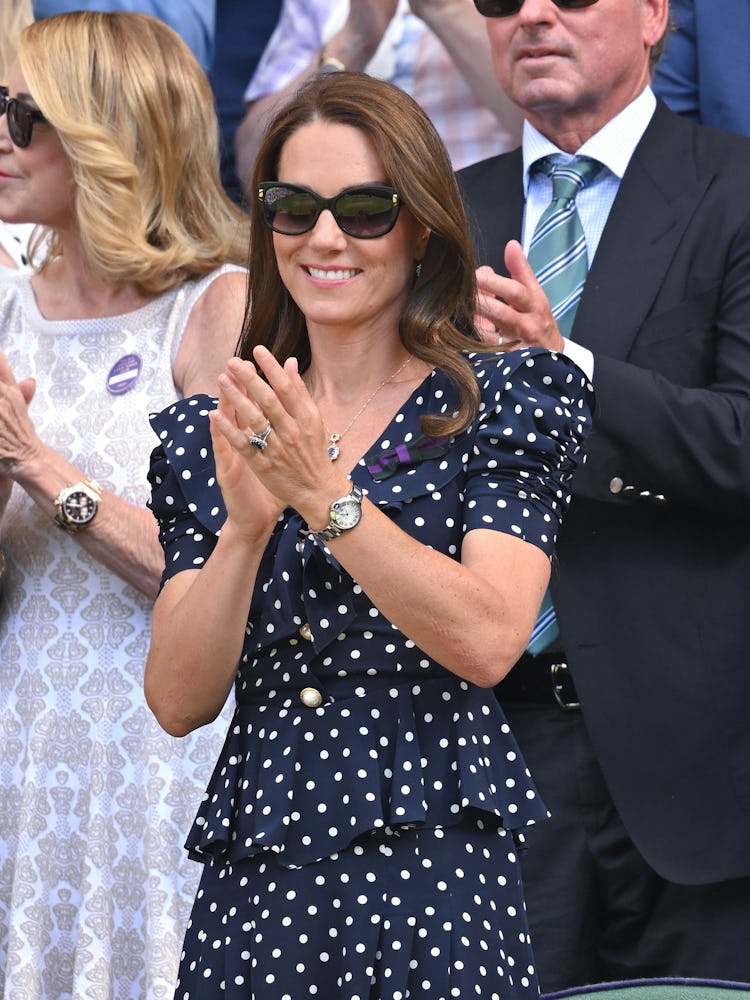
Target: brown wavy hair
{"type": "Point", "coordinates": [135, 113]}
{"type": "Point", "coordinates": [437, 324]}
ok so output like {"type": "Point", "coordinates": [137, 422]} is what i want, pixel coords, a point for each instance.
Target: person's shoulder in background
{"type": "Point", "coordinates": [193, 20]}
{"type": "Point", "coordinates": [704, 73]}
{"type": "Point", "coordinates": [243, 29]}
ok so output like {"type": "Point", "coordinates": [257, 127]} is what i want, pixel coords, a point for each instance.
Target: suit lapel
{"type": "Point", "coordinates": [656, 200]}
{"type": "Point", "coordinates": [495, 206]}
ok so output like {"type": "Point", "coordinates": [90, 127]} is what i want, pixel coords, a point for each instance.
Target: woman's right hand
{"type": "Point", "coordinates": [26, 387]}
{"type": "Point", "coordinates": [9, 391]}
{"type": "Point", "coordinates": [251, 508]}
{"type": "Point", "coordinates": [18, 438]}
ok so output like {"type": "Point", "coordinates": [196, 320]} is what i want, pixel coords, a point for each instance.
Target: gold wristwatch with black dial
{"type": "Point", "coordinates": [76, 505]}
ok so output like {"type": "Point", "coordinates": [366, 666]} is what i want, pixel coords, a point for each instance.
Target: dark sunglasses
{"type": "Point", "coordinates": [504, 8]}
{"type": "Point", "coordinates": [365, 212]}
{"type": "Point", "coordinates": [21, 118]}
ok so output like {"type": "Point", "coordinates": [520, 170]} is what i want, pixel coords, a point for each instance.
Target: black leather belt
{"type": "Point", "coordinates": [539, 680]}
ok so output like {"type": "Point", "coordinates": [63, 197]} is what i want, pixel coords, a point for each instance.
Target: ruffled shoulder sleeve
{"type": "Point", "coordinates": [185, 496]}
{"type": "Point", "coordinates": [527, 443]}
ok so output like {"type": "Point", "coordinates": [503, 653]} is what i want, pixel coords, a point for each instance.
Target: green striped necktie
{"type": "Point", "coordinates": [559, 259]}
{"type": "Point", "coordinates": [557, 253]}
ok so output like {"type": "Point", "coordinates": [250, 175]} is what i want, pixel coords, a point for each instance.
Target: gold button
{"type": "Point", "coordinates": [311, 697]}
{"type": "Point", "coordinates": [305, 632]}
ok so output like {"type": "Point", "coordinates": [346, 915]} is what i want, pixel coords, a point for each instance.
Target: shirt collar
{"type": "Point", "coordinates": [613, 145]}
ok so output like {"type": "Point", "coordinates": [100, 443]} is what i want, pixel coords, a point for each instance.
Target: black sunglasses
{"type": "Point", "coordinates": [504, 8]}
{"type": "Point", "coordinates": [365, 212]}
{"type": "Point", "coordinates": [21, 118]}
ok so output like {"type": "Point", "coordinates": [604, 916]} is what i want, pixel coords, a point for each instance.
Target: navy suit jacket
{"type": "Point", "coordinates": [705, 71]}
{"type": "Point", "coordinates": [652, 594]}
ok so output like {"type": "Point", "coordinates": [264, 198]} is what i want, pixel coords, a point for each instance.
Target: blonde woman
{"type": "Point", "coordinates": [14, 15]}
{"type": "Point", "coordinates": [108, 142]}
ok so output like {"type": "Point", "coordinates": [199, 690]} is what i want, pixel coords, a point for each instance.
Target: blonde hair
{"type": "Point", "coordinates": [14, 15]}
{"type": "Point", "coordinates": [135, 114]}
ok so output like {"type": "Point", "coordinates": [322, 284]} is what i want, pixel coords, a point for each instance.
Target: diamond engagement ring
{"type": "Point", "coordinates": [260, 441]}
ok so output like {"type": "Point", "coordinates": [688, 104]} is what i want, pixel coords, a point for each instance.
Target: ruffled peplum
{"type": "Point", "coordinates": [304, 783]}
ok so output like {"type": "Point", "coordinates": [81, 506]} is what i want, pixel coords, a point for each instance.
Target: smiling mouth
{"type": "Point", "coordinates": [327, 274]}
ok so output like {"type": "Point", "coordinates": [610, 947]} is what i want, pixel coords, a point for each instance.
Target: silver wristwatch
{"type": "Point", "coordinates": [76, 505]}
{"type": "Point", "coordinates": [345, 514]}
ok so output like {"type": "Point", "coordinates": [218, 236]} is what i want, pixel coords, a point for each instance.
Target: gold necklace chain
{"type": "Point", "coordinates": [333, 439]}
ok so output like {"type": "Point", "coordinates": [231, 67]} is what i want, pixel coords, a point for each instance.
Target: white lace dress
{"type": "Point", "coordinates": [95, 799]}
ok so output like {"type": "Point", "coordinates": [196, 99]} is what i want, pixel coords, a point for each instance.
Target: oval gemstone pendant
{"type": "Point", "coordinates": [333, 448]}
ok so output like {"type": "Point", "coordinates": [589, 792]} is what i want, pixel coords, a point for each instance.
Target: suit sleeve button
{"type": "Point", "coordinates": [616, 484]}
{"type": "Point", "coordinates": [311, 697]}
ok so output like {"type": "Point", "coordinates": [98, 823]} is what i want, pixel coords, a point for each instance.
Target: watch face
{"type": "Point", "coordinates": [78, 507]}
{"type": "Point", "coordinates": [346, 513]}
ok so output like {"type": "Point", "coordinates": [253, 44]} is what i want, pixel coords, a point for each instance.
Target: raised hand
{"type": "Point", "coordinates": [249, 504]}
{"type": "Point", "coordinates": [293, 469]}
{"type": "Point", "coordinates": [18, 438]}
{"type": "Point", "coordinates": [515, 310]}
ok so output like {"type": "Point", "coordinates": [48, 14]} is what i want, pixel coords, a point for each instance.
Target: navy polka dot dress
{"type": "Point", "coordinates": [357, 834]}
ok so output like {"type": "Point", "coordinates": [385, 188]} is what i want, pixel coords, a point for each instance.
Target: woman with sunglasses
{"type": "Point", "coordinates": [358, 536]}
{"type": "Point", "coordinates": [107, 144]}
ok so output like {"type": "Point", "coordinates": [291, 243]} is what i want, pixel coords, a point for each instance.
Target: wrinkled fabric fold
{"type": "Point", "coordinates": [419, 754]}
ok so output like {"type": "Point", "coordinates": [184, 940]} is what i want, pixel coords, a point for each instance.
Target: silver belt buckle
{"type": "Point", "coordinates": [557, 672]}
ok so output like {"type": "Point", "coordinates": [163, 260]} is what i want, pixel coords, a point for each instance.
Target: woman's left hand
{"type": "Point", "coordinates": [293, 466]}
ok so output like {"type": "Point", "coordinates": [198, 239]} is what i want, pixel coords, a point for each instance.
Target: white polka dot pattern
{"type": "Point", "coordinates": [396, 738]}
{"type": "Point", "coordinates": [418, 914]}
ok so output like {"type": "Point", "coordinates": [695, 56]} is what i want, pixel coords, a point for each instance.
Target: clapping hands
{"type": "Point", "coordinates": [292, 470]}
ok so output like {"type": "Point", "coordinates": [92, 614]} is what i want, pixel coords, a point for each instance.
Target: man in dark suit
{"type": "Point", "coordinates": [644, 868]}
